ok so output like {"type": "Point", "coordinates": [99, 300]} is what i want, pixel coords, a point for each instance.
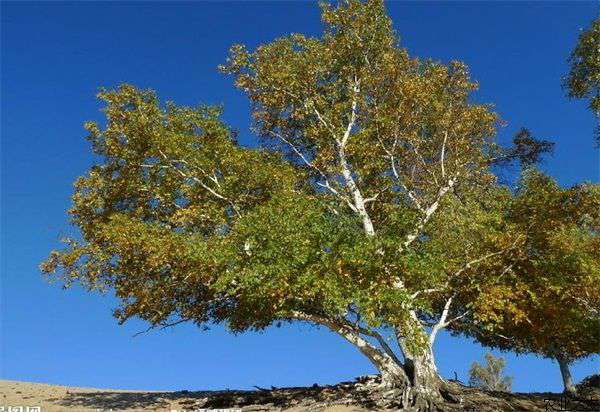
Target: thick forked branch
{"type": "Point", "coordinates": [380, 339]}
{"type": "Point", "coordinates": [327, 185]}
{"type": "Point", "coordinates": [359, 201]}
{"type": "Point", "coordinates": [390, 155]}
{"type": "Point", "coordinates": [442, 322]}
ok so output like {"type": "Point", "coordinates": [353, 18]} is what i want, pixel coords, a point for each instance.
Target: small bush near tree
{"type": "Point", "coordinates": [491, 375]}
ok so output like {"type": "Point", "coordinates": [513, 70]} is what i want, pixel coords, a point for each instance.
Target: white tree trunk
{"type": "Point", "coordinates": [569, 386]}
{"type": "Point", "coordinates": [416, 380]}
{"type": "Point", "coordinates": [420, 368]}
{"type": "Point", "coordinates": [359, 201]}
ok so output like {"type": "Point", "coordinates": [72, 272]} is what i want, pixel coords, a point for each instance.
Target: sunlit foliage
{"type": "Point", "coordinates": [370, 204]}
{"type": "Point", "coordinates": [583, 81]}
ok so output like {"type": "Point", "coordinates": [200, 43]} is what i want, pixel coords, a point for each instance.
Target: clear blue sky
{"type": "Point", "coordinates": [55, 55]}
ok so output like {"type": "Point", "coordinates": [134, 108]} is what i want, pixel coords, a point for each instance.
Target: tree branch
{"type": "Point", "coordinates": [443, 154]}
{"type": "Point", "coordinates": [359, 202]}
{"type": "Point", "coordinates": [173, 166]}
{"type": "Point", "coordinates": [162, 326]}
{"type": "Point", "coordinates": [442, 321]}
{"type": "Point", "coordinates": [427, 213]}
{"type": "Point", "coordinates": [376, 356]}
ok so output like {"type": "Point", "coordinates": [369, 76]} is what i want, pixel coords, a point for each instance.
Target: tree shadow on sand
{"type": "Point", "coordinates": [360, 394]}
{"type": "Point", "coordinates": [276, 398]}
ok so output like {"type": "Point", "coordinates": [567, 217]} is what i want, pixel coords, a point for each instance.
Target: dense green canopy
{"type": "Point", "coordinates": [363, 144]}
{"type": "Point", "coordinates": [370, 202]}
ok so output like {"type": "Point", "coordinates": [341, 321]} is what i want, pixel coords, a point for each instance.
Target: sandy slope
{"type": "Point", "coordinates": [54, 398]}
{"type": "Point", "coordinates": [360, 395]}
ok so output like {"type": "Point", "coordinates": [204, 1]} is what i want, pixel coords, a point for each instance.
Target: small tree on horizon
{"type": "Point", "coordinates": [491, 375]}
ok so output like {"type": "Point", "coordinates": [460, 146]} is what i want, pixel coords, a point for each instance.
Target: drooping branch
{"type": "Point", "coordinates": [352, 334]}
{"type": "Point", "coordinates": [161, 326]}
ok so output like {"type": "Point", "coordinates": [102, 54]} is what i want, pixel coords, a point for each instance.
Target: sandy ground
{"type": "Point", "coordinates": [54, 398]}
{"type": "Point", "coordinates": [343, 397]}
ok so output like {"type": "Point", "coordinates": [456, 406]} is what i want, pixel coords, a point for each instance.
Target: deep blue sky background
{"type": "Point", "coordinates": [55, 55]}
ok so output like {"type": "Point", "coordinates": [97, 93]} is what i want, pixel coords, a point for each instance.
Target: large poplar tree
{"type": "Point", "coordinates": [369, 206]}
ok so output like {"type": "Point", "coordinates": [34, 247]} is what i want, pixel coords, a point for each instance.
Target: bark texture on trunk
{"type": "Point", "coordinates": [569, 386]}
{"type": "Point", "coordinates": [415, 382]}
{"type": "Point", "coordinates": [422, 370]}
{"type": "Point", "coordinates": [419, 386]}
{"type": "Point", "coordinates": [426, 386]}
{"type": "Point", "coordinates": [425, 380]}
